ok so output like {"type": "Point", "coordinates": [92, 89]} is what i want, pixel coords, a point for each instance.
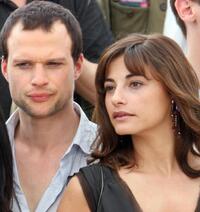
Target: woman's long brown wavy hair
{"type": "Point", "coordinates": [171, 68]}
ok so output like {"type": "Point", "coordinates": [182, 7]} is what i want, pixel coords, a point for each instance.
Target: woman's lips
{"type": "Point", "coordinates": [121, 115]}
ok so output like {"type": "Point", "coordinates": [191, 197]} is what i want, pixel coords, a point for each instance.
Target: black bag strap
{"type": "Point", "coordinates": [102, 187]}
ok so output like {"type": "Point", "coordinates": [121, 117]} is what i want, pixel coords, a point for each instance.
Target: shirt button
{"type": "Point", "coordinates": [130, 14]}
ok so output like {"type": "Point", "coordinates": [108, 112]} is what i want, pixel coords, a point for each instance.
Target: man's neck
{"type": "Point", "coordinates": [43, 143]}
{"type": "Point", "coordinates": [194, 59]}
{"type": "Point", "coordinates": [41, 134]}
{"type": "Point", "coordinates": [193, 55]}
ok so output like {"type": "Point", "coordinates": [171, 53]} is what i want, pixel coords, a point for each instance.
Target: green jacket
{"type": "Point", "coordinates": [124, 19]}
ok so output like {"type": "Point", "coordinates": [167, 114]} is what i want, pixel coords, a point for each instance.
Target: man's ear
{"type": "Point", "coordinates": [78, 67]}
{"type": "Point", "coordinates": [4, 68]}
{"type": "Point", "coordinates": [185, 10]}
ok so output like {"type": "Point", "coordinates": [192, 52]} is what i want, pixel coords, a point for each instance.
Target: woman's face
{"type": "Point", "coordinates": [134, 103]}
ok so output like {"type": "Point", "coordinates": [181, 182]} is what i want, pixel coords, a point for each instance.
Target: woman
{"type": "Point", "coordinates": [148, 111]}
{"type": "Point", "coordinates": [6, 173]}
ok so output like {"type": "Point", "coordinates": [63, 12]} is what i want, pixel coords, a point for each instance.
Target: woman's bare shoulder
{"type": "Point", "coordinates": [73, 198]}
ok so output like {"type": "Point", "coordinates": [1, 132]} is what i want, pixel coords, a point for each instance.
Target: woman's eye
{"type": "Point", "coordinates": [108, 88]}
{"type": "Point", "coordinates": [136, 84]}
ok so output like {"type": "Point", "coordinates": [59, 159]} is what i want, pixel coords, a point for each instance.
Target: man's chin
{"type": "Point", "coordinates": [38, 114]}
{"type": "Point", "coordinates": [42, 111]}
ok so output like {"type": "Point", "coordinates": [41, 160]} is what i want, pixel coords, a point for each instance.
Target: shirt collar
{"type": "Point", "coordinates": [85, 127]}
{"type": "Point", "coordinates": [11, 125]}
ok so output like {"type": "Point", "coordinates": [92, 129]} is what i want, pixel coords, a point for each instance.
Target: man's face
{"type": "Point", "coordinates": [40, 70]}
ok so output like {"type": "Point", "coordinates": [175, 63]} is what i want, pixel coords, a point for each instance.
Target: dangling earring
{"type": "Point", "coordinates": [175, 114]}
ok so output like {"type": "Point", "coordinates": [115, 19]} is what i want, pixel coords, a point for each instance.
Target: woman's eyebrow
{"type": "Point", "coordinates": [109, 80]}
{"type": "Point", "coordinates": [135, 75]}
{"type": "Point", "coordinates": [126, 77]}
{"type": "Point", "coordinates": [130, 75]}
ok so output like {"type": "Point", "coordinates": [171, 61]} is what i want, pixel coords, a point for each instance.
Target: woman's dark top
{"type": "Point", "coordinates": [116, 195]}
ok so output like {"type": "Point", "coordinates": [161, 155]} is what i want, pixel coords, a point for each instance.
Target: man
{"type": "Point", "coordinates": [50, 135]}
{"type": "Point", "coordinates": [187, 14]}
{"type": "Point", "coordinates": [172, 29]}
{"type": "Point", "coordinates": [96, 36]}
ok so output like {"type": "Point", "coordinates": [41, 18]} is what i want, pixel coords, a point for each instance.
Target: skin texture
{"type": "Point", "coordinates": [189, 12]}
{"type": "Point", "coordinates": [141, 107]}
{"type": "Point", "coordinates": [41, 75]}
{"type": "Point", "coordinates": [73, 199]}
{"type": "Point", "coordinates": [132, 95]}
{"type": "Point", "coordinates": [84, 87]}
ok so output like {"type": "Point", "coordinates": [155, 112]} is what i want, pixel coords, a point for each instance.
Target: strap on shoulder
{"type": "Point", "coordinates": [91, 179]}
{"type": "Point", "coordinates": [102, 187]}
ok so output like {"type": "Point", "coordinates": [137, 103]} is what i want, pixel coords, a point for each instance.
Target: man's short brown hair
{"type": "Point", "coordinates": [42, 14]}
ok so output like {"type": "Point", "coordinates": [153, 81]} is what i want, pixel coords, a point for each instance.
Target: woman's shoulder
{"type": "Point", "coordinates": [93, 167]}
{"type": "Point", "coordinates": [73, 194]}
{"type": "Point", "coordinates": [83, 183]}
{"type": "Point", "coordinates": [96, 170]}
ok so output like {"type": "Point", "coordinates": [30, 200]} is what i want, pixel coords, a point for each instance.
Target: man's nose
{"type": "Point", "coordinates": [40, 77]}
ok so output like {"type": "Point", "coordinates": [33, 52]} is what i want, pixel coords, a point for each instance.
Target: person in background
{"type": "Point", "coordinates": [6, 169]}
{"type": "Point", "coordinates": [96, 37]}
{"type": "Point", "coordinates": [147, 150]}
{"type": "Point", "coordinates": [134, 16]}
{"type": "Point", "coordinates": [187, 16]}
{"type": "Point", "coordinates": [49, 133]}
{"type": "Point", "coordinates": [172, 29]}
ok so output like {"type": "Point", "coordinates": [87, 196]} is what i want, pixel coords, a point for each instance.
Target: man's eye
{"type": "Point", "coordinates": [23, 65]}
{"type": "Point", "coordinates": [53, 64]}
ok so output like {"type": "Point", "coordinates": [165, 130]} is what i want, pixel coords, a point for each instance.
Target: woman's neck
{"type": "Point", "coordinates": [155, 153]}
